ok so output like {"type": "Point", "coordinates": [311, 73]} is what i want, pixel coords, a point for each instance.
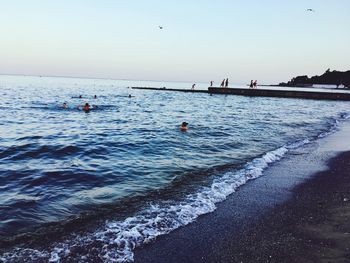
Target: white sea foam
{"type": "Point", "coordinates": [116, 241]}
{"type": "Point", "coordinates": [334, 127]}
{"type": "Point", "coordinates": [345, 116]}
{"type": "Point", "coordinates": [31, 255]}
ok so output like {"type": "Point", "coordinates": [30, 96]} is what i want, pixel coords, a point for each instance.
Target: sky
{"type": "Point", "coordinates": [201, 40]}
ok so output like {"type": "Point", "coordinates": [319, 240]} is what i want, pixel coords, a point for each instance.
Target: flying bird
{"type": "Point", "coordinates": [310, 10]}
{"type": "Point", "coordinates": [160, 27]}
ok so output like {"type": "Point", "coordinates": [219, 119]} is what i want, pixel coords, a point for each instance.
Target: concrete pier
{"type": "Point", "coordinates": [316, 95]}
{"type": "Point", "coordinates": [166, 89]}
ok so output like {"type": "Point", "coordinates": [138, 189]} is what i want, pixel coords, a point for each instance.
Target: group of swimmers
{"type": "Point", "coordinates": [86, 108]}
{"type": "Point", "coordinates": [81, 96]}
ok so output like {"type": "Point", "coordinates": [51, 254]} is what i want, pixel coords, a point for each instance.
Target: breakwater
{"type": "Point", "coordinates": [171, 89]}
{"type": "Point", "coordinates": [281, 93]}
{"type": "Point", "coordinates": [317, 95]}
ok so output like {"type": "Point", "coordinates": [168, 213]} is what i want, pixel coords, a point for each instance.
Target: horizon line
{"type": "Point", "coordinates": [97, 78]}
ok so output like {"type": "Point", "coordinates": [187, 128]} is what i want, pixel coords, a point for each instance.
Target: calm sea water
{"type": "Point", "coordinates": [78, 186]}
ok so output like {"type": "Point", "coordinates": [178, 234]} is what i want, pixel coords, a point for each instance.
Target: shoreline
{"type": "Point", "coordinates": [313, 226]}
{"type": "Point", "coordinates": [297, 212]}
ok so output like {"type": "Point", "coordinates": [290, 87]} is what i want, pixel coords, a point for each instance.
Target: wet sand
{"type": "Point", "coordinates": [299, 211]}
{"type": "Point", "coordinates": [314, 226]}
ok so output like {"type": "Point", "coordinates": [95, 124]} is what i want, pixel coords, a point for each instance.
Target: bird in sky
{"type": "Point", "coordinates": [310, 10]}
{"type": "Point", "coordinates": [160, 27]}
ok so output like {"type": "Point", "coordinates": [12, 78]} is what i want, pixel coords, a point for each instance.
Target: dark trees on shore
{"type": "Point", "coordinates": [328, 78]}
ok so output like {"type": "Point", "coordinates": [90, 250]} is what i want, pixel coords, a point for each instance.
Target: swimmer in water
{"type": "Point", "coordinates": [80, 96]}
{"type": "Point", "coordinates": [95, 97]}
{"type": "Point", "coordinates": [65, 105]}
{"type": "Point", "coordinates": [184, 126]}
{"type": "Point", "coordinates": [87, 107]}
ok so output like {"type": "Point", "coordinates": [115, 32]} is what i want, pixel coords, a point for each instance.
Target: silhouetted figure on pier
{"type": "Point", "coordinates": [222, 83]}
{"type": "Point", "coordinates": [226, 83]}
{"type": "Point", "coordinates": [255, 84]}
{"type": "Point", "coordinates": [211, 83]}
{"type": "Point", "coordinates": [251, 84]}
{"type": "Point", "coordinates": [193, 86]}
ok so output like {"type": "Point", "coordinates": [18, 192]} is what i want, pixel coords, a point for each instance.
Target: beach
{"type": "Point", "coordinates": [302, 215]}
{"type": "Point", "coordinates": [313, 226]}
{"type": "Point", "coordinates": [131, 134]}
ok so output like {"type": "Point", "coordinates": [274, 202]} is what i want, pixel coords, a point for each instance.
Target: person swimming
{"type": "Point", "coordinates": [95, 96]}
{"type": "Point", "coordinates": [86, 107]}
{"type": "Point", "coordinates": [65, 105]}
{"type": "Point", "coordinates": [184, 126]}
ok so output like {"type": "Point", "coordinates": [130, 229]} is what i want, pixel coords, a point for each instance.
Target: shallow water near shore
{"type": "Point", "coordinates": [118, 177]}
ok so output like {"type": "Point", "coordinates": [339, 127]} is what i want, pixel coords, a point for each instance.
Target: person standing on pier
{"type": "Point", "coordinates": [255, 84]}
{"type": "Point", "coordinates": [226, 83]}
{"type": "Point", "coordinates": [222, 83]}
{"type": "Point", "coordinates": [211, 83]}
{"type": "Point", "coordinates": [193, 85]}
{"type": "Point", "coordinates": [251, 84]}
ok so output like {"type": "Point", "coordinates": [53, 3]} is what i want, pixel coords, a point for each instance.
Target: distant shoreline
{"type": "Point", "coordinates": [335, 78]}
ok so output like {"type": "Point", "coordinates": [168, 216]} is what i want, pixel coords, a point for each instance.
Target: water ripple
{"type": "Point", "coordinates": [58, 165]}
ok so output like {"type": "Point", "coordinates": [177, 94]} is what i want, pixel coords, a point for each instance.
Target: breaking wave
{"type": "Point", "coordinates": [116, 241]}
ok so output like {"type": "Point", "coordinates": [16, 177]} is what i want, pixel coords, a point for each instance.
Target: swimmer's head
{"type": "Point", "coordinates": [184, 126]}
{"type": "Point", "coordinates": [86, 108]}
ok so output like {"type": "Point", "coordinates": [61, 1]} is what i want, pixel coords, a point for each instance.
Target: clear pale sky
{"type": "Point", "coordinates": [202, 40]}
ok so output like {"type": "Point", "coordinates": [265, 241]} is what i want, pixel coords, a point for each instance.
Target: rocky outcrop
{"type": "Point", "coordinates": [334, 77]}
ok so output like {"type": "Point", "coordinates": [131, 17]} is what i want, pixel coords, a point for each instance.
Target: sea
{"type": "Point", "coordinates": [93, 187]}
